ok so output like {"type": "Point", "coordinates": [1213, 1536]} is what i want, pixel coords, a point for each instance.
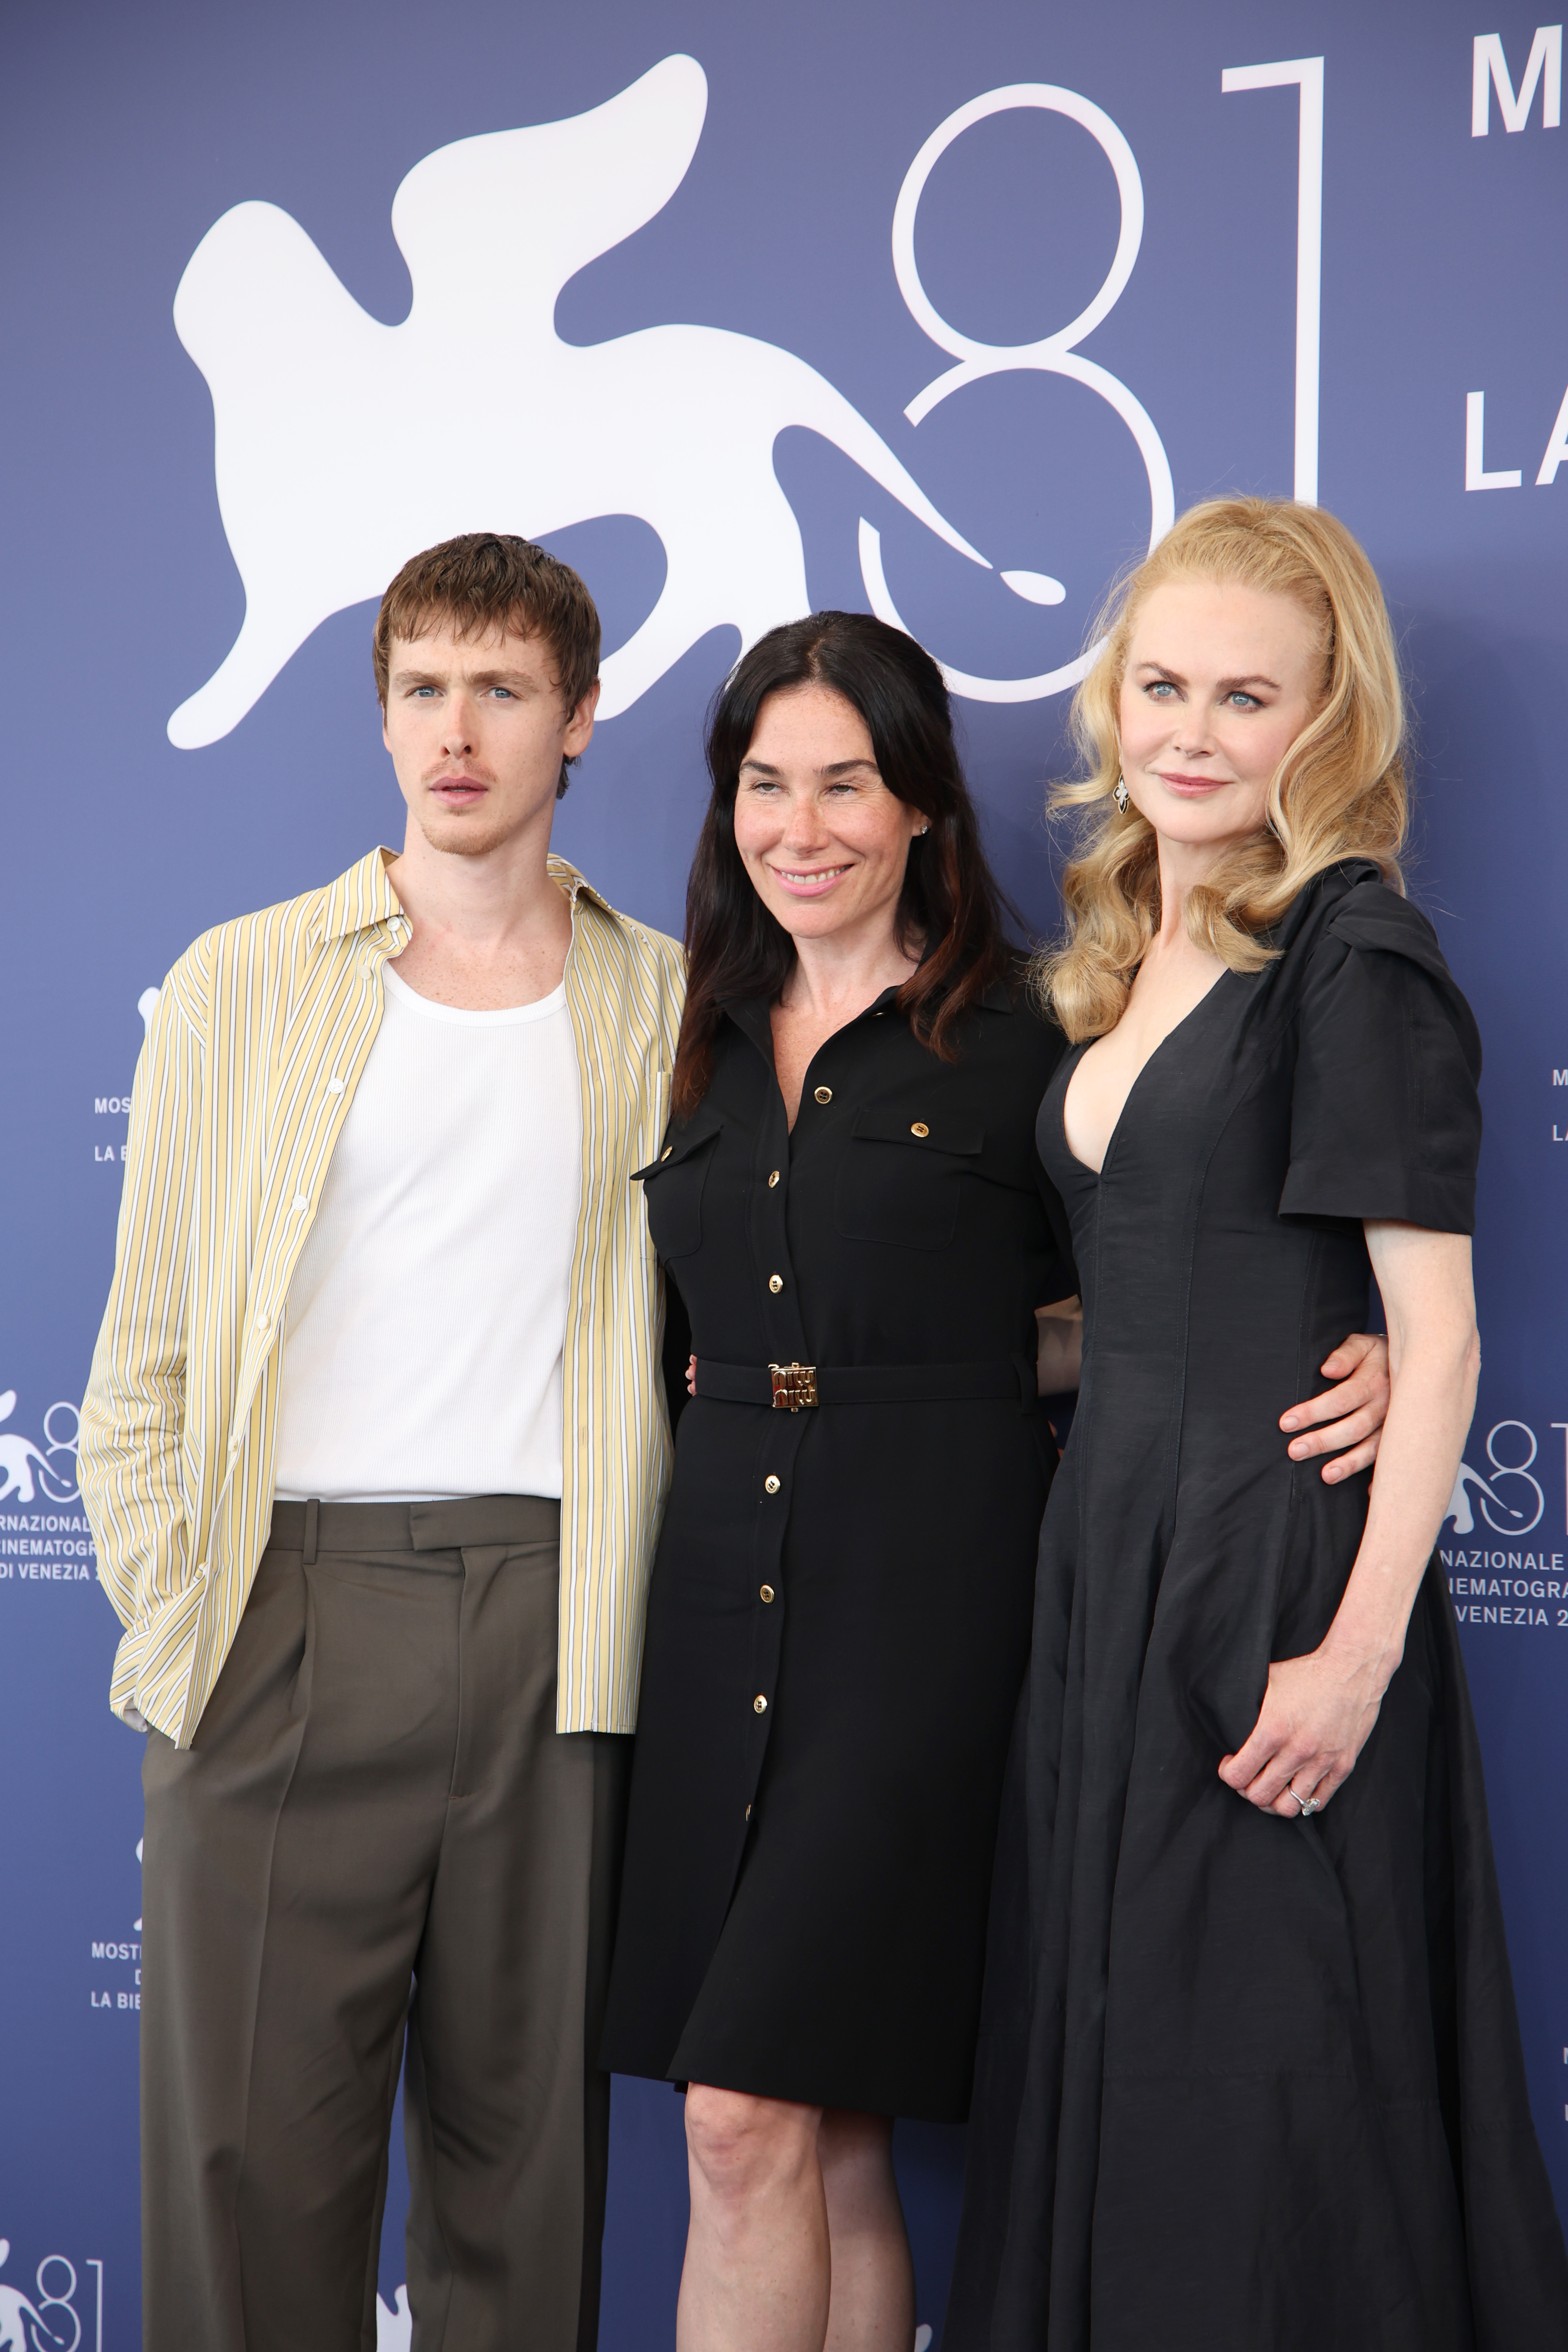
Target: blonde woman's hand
{"type": "Point", "coordinates": [1315, 1718]}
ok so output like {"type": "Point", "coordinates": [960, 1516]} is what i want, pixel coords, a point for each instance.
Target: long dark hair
{"type": "Point", "coordinates": [950, 911]}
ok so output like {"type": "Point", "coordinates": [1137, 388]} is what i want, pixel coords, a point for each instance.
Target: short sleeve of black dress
{"type": "Point", "coordinates": [1385, 1120]}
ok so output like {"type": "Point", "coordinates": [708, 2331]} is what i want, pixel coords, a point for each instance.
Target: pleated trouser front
{"type": "Point", "coordinates": [378, 1830]}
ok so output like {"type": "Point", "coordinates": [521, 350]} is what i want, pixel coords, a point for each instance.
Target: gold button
{"type": "Point", "coordinates": [771, 1483]}
{"type": "Point", "coordinates": [666, 1152]}
{"type": "Point", "coordinates": [759, 1704]}
{"type": "Point", "coordinates": [767, 1592]}
{"type": "Point", "coordinates": [748, 1812]}
{"type": "Point", "coordinates": [920, 1127]}
{"type": "Point", "coordinates": [772, 1180]}
{"type": "Point", "coordinates": [825, 1094]}
{"type": "Point", "coordinates": [775, 1282]}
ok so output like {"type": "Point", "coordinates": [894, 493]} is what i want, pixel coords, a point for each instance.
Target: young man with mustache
{"type": "Point", "coordinates": [374, 1448]}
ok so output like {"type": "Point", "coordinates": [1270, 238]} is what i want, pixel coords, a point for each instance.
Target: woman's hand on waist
{"type": "Point", "coordinates": [1347, 1420]}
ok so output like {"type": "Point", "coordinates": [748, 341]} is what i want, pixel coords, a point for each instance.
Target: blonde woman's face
{"type": "Point", "coordinates": [1220, 680]}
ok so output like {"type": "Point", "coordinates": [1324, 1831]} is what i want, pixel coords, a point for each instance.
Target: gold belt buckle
{"type": "Point", "coordinates": [794, 1385]}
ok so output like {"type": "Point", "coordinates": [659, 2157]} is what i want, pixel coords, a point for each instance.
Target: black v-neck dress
{"type": "Point", "coordinates": [1249, 2085]}
{"type": "Point", "coordinates": [839, 1622]}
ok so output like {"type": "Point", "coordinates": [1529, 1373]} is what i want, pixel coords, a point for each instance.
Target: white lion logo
{"type": "Point", "coordinates": [1459, 1510]}
{"type": "Point", "coordinates": [360, 442]}
{"type": "Point", "coordinates": [342, 444]}
{"type": "Point", "coordinates": [393, 2324]}
{"type": "Point", "coordinates": [19, 1458]}
{"type": "Point", "coordinates": [23, 2326]}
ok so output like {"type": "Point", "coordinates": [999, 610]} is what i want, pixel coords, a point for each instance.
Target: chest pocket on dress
{"type": "Point", "coordinates": [901, 1178]}
{"type": "Point", "coordinates": [672, 1186]}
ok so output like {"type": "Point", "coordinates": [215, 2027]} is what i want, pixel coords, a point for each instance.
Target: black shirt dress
{"type": "Point", "coordinates": [838, 1620]}
{"type": "Point", "coordinates": [1249, 2084]}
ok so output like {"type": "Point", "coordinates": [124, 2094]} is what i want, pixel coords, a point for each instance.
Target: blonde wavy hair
{"type": "Point", "coordinates": [1339, 791]}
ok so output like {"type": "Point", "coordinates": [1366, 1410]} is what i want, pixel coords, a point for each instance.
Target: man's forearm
{"type": "Point", "coordinates": [133, 1414]}
{"type": "Point", "coordinates": [128, 1464]}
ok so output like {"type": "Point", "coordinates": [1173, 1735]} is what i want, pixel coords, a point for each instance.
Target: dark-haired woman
{"type": "Point", "coordinates": [851, 1205]}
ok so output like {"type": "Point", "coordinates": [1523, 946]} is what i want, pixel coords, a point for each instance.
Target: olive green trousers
{"type": "Point", "coordinates": [379, 1836]}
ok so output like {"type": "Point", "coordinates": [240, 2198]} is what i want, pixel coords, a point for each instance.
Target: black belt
{"type": "Point", "coordinates": [788, 1387]}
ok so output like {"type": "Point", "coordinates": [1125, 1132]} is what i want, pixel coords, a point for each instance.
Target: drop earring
{"type": "Point", "coordinates": [1121, 797]}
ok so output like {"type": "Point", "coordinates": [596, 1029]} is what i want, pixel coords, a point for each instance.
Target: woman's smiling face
{"type": "Point", "coordinates": [1219, 681]}
{"type": "Point", "coordinates": [823, 839]}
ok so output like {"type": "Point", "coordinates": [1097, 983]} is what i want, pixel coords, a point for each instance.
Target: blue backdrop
{"type": "Point", "coordinates": [827, 296]}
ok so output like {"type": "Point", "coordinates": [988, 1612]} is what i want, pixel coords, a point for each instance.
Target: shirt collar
{"type": "Point", "coordinates": [567, 877]}
{"type": "Point", "coordinates": [754, 1015]}
{"type": "Point", "coordinates": [365, 897]}
{"type": "Point", "coordinates": [360, 899]}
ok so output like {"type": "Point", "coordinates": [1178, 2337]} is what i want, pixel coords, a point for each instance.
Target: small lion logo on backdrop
{"type": "Point", "coordinates": [28, 1470]}
{"type": "Point", "coordinates": [52, 2323]}
{"type": "Point", "coordinates": [1460, 1508]}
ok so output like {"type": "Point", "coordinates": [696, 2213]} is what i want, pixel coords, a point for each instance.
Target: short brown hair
{"type": "Point", "coordinates": [493, 580]}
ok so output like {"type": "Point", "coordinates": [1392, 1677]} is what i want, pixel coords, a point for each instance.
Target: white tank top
{"type": "Point", "coordinates": [427, 1312]}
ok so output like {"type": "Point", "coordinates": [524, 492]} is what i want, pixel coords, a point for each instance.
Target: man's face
{"type": "Point", "coordinates": [477, 728]}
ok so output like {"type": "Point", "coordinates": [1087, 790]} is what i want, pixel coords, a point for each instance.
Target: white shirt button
{"type": "Point", "coordinates": [299, 1202]}
{"type": "Point", "coordinates": [335, 1085]}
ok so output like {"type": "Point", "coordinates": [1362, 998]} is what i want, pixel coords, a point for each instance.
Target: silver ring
{"type": "Point", "coordinates": [1307, 1804]}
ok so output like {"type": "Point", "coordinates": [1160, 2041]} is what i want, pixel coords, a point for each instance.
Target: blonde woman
{"type": "Point", "coordinates": [1250, 2077]}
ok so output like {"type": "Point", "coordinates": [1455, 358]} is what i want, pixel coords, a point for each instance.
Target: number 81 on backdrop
{"type": "Point", "coordinates": [1508, 1497]}
{"type": "Point", "coordinates": [51, 2321]}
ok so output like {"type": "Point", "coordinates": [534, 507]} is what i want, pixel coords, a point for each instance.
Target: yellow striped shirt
{"type": "Point", "coordinates": [258, 1040]}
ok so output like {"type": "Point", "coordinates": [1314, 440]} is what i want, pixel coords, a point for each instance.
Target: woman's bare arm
{"type": "Point", "coordinates": [1349, 1414]}
{"type": "Point", "coordinates": [1060, 1357]}
{"type": "Point", "coordinates": [1344, 1422]}
{"type": "Point", "coordinates": [1319, 1710]}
